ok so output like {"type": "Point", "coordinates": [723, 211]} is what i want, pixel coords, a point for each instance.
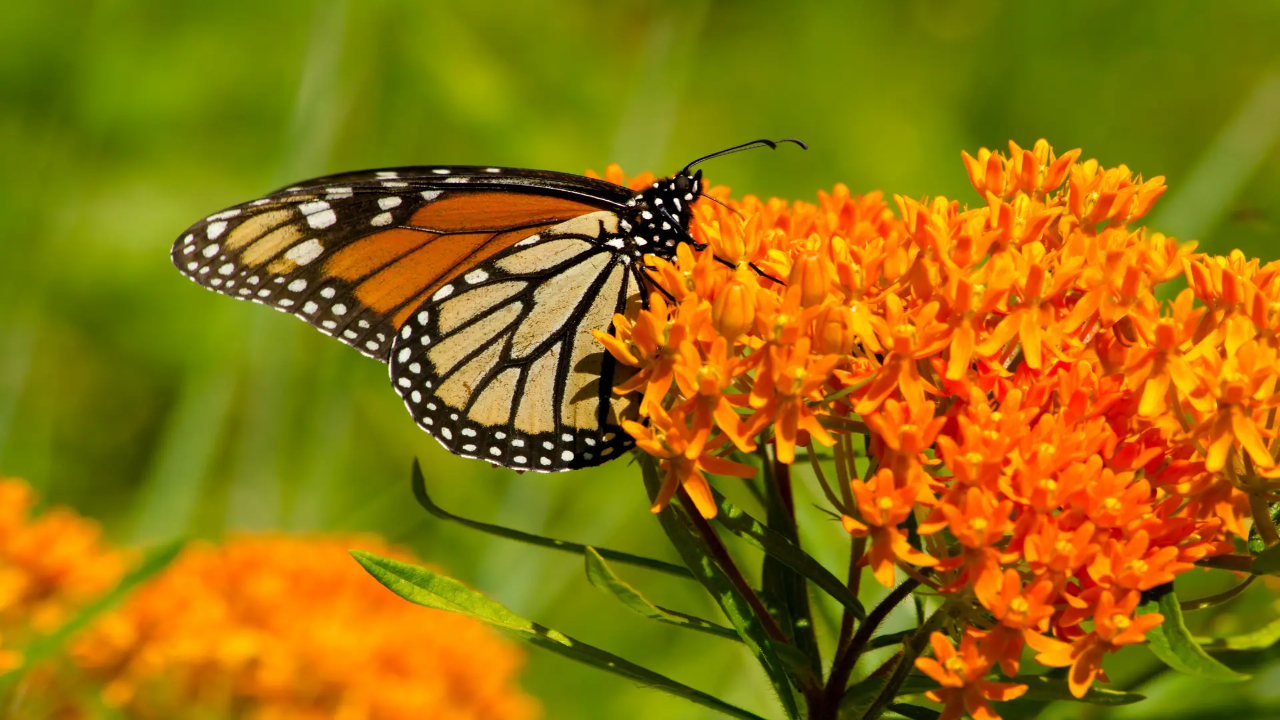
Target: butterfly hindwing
{"type": "Point", "coordinates": [354, 254]}
{"type": "Point", "coordinates": [501, 363]}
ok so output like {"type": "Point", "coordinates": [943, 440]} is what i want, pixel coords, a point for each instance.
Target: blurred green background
{"type": "Point", "coordinates": [161, 409]}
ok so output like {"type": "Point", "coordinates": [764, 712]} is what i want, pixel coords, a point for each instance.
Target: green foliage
{"type": "Point", "coordinates": [1174, 645]}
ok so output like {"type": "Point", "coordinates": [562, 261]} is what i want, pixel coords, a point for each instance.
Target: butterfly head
{"type": "Point", "coordinates": [659, 215]}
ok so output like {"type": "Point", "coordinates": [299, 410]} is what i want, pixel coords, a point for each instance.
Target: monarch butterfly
{"type": "Point", "coordinates": [479, 286]}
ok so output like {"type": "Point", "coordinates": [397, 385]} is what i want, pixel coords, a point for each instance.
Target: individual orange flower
{"type": "Point", "coordinates": [1236, 386]}
{"type": "Point", "coordinates": [882, 508]}
{"type": "Point", "coordinates": [1114, 627]}
{"type": "Point", "coordinates": [669, 439]}
{"type": "Point", "coordinates": [1132, 565]}
{"type": "Point", "coordinates": [785, 382]}
{"type": "Point", "coordinates": [1018, 607]}
{"type": "Point", "coordinates": [962, 676]}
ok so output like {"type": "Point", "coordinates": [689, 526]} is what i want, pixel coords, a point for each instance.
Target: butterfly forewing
{"type": "Point", "coordinates": [501, 364]}
{"type": "Point", "coordinates": [354, 254]}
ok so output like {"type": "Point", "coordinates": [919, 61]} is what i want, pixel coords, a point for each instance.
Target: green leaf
{"type": "Point", "coordinates": [697, 555]}
{"type": "Point", "coordinates": [423, 587]}
{"type": "Point", "coordinates": [1259, 639]}
{"type": "Point", "coordinates": [754, 532]}
{"type": "Point", "coordinates": [1173, 644]}
{"type": "Point", "coordinates": [888, 639]}
{"type": "Point", "coordinates": [602, 576]}
{"type": "Point", "coordinates": [1267, 562]}
{"type": "Point", "coordinates": [915, 712]}
{"type": "Point", "coordinates": [1053, 689]}
{"type": "Point", "coordinates": [420, 492]}
{"type": "Point", "coordinates": [51, 644]}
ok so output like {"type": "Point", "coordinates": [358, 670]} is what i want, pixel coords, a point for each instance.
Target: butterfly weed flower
{"type": "Point", "coordinates": [290, 627]}
{"type": "Point", "coordinates": [1043, 436]}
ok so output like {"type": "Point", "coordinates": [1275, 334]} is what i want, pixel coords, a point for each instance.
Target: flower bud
{"type": "Point", "coordinates": [733, 310]}
{"type": "Point", "coordinates": [812, 274]}
{"type": "Point", "coordinates": [833, 332]}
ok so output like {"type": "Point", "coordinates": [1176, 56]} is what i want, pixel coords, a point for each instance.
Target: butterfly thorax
{"type": "Point", "coordinates": [656, 220]}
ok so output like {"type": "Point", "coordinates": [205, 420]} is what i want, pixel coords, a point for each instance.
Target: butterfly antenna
{"type": "Point", "coordinates": [771, 144]}
{"type": "Point", "coordinates": [721, 204]}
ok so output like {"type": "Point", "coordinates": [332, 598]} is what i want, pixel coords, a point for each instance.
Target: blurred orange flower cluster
{"type": "Point", "coordinates": [260, 626]}
{"type": "Point", "coordinates": [1017, 382]}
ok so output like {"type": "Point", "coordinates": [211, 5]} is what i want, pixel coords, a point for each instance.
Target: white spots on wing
{"type": "Point", "coordinates": [566, 437]}
{"type": "Point", "coordinates": [381, 219]}
{"type": "Point", "coordinates": [677, 202]}
{"type": "Point", "coordinates": [338, 193]}
{"type": "Point", "coordinates": [298, 285]}
{"type": "Point", "coordinates": [191, 266]}
{"type": "Point", "coordinates": [404, 382]}
{"type": "Point", "coordinates": [252, 280]}
{"type": "Point", "coordinates": [495, 451]}
{"type": "Point", "coordinates": [468, 432]}
{"type": "Point", "coordinates": [424, 340]}
{"type": "Point", "coordinates": [548, 445]}
{"type": "Point", "coordinates": [224, 214]}
{"type": "Point", "coordinates": [446, 434]}
{"type": "Point", "coordinates": [517, 443]}
{"type": "Point", "coordinates": [305, 252]}
{"type": "Point", "coordinates": [227, 269]}
{"type": "Point", "coordinates": [646, 215]}
{"type": "Point", "coordinates": [423, 317]}
{"type": "Point", "coordinates": [443, 292]}
{"type": "Point", "coordinates": [371, 345]}
{"type": "Point", "coordinates": [476, 276]}
{"type": "Point", "coordinates": [391, 201]}
{"type": "Point", "coordinates": [322, 219]}
{"type": "Point", "coordinates": [545, 461]}
{"type": "Point", "coordinates": [364, 324]}
{"type": "Point", "coordinates": [407, 331]}
{"type": "Point", "coordinates": [387, 174]}
{"type": "Point", "coordinates": [264, 293]}
{"type": "Point", "coordinates": [327, 293]}
{"type": "Point", "coordinates": [441, 171]}
{"type": "Point", "coordinates": [312, 207]}
{"type": "Point", "coordinates": [245, 291]}
{"type": "Point", "coordinates": [415, 368]}
{"type": "Point", "coordinates": [529, 240]}
{"type": "Point", "coordinates": [215, 229]}
{"type": "Point", "coordinates": [431, 194]}
{"type": "Point", "coordinates": [469, 448]}
{"type": "Point", "coordinates": [310, 308]}
{"type": "Point", "coordinates": [350, 334]}
{"type": "Point", "coordinates": [339, 309]}
{"type": "Point", "coordinates": [284, 302]}
{"type": "Point", "coordinates": [394, 184]}
{"type": "Point", "coordinates": [431, 407]}
{"type": "Point", "coordinates": [456, 179]}
{"type": "Point", "coordinates": [416, 396]}
{"type": "Point", "coordinates": [615, 243]}
{"type": "Point", "coordinates": [329, 324]}
{"type": "Point", "coordinates": [211, 250]}
{"type": "Point", "coordinates": [567, 455]}
{"type": "Point", "coordinates": [403, 354]}
{"type": "Point", "coordinates": [520, 460]}
{"type": "Point", "coordinates": [215, 282]}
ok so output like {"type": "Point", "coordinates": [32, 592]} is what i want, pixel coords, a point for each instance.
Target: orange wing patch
{"type": "Point", "coordinates": [494, 211]}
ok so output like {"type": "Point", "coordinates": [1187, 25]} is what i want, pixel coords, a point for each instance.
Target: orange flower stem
{"type": "Point", "coordinates": [722, 556]}
{"type": "Point", "coordinates": [847, 656]}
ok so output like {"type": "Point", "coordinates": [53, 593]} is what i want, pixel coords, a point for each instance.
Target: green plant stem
{"type": "Point", "coordinates": [911, 649]}
{"type": "Point", "coordinates": [848, 656]}
{"type": "Point", "coordinates": [722, 557]}
{"type": "Point", "coordinates": [1262, 520]}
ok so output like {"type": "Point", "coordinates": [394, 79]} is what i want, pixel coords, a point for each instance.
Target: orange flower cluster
{"type": "Point", "coordinates": [262, 627]}
{"type": "Point", "coordinates": [50, 565]}
{"type": "Point", "coordinates": [280, 627]}
{"type": "Point", "coordinates": [1017, 381]}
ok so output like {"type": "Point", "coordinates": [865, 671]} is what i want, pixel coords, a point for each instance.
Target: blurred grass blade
{"type": "Point", "coordinates": [47, 646]}
{"type": "Point", "coordinates": [1267, 562]}
{"type": "Point", "coordinates": [167, 502]}
{"type": "Point", "coordinates": [774, 544]}
{"type": "Point", "coordinates": [420, 492]}
{"type": "Point", "coordinates": [699, 558]}
{"type": "Point", "coordinates": [1173, 644]}
{"type": "Point", "coordinates": [423, 587]}
{"type": "Point", "coordinates": [602, 576]}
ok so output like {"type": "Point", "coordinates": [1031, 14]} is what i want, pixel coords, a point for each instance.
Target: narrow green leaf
{"type": "Point", "coordinates": [1259, 639]}
{"type": "Point", "coordinates": [682, 532]}
{"type": "Point", "coordinates": [602, 576]}
{"type": "Point", "coordinates": [1173, 644]}
{"type": "Point", "coordinates": [1054, 689]}
{"type": "Point", "coordinates": [423, 587]}
{"type": "Point", "coordinates": [915, 712]}
{"type": "Point", "coordinates": [420, 492]}
{"type": "Point", "coordinates": [754, 532]}
{"type": "Point", "coordinates": [886, 640]}
{"type": "Point", "coordinates": [51, 644]}
{"type": "Point", "coordinates": [1267, 562]}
